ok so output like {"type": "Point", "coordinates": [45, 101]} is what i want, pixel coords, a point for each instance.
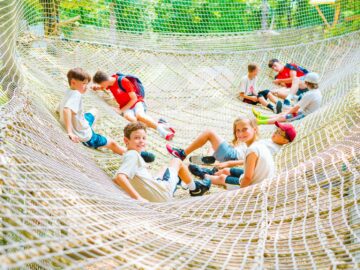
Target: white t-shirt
{"type": "Point", "coordinates": [241, 150]}
{"type": "Point", "coordinates": [80, 127]}
{"type": "Point", "coordinates": [248, 86]}
{"type": "Point", "coordinates": [310, 102]}
{"type": "Point", "coordinates": [265, 166]}
{"type": "Point", "coordinates": [273, 147]}
{"type": "Point", "coordinates": [134, 167]}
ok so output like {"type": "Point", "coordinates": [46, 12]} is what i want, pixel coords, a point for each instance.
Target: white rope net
{"type": "Point", "coordinates": [59, 206]}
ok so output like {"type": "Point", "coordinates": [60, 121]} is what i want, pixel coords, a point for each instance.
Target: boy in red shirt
{"type": "Point", "coordinates": [289, 77]}
{"type": "Point", "coordinates": [131, 104]}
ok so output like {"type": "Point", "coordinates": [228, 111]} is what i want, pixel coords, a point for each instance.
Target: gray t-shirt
{"type": "Point", "coordinates": [80, 127]}
{"type": "Point", "coordinates": [265, 166]}
{"type": "Point", "coordinates": [134, 167]}
{"type": "Point", "coordinates": [310, 102]}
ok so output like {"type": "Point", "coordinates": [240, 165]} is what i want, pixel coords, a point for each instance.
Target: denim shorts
{"type": "Point", "coordinates": [96, 140]}
{"type": "Point", "coordinates": [225, 152]}
{"type": "Point", "coordinates": [294, 116]}
{"type": "Point", "coordinates": [233, 178]}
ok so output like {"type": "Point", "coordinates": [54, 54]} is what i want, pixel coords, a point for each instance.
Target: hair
{"type": "Point", "coordinates": [100, 76]}
{"type": "Point", "coordinates": [252, 122]}
{"type": "Point", "coordinates": [312, 85]}
{"type": "Point", "coordinates": [272, 62]}
{"type": "Point", "coordinates": [78, 74]}
{"type": "Point", "coordinates": [131, 127]}
{"type": "Point", "coordinates": [252, 67]}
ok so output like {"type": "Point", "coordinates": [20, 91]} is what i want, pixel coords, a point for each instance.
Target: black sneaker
{"type": "Point", "coordinates": [202, 186]}
{"type": "Point", "coordinates": [200, 172]}
{"type": "Point", "coordinates": [147, 156]}
{"type": "Point", "coordinates": [202, 159]}
{"type": "Point", "coordinates": [279, 106]}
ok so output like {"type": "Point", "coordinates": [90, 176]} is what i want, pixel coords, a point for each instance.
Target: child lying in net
{"type": "Point", "coordinates": [129, 94]}
{"type": "Point", "coordinates": [284, 134]}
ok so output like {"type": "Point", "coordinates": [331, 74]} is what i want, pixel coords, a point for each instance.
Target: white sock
{"type": "Point", "coordinates": [192, 185]}
{"type": "Point", "coordinates": [162, 131]}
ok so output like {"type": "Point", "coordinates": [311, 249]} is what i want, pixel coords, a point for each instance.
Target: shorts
{"type": "Point", "coordinates": [263, 93]}
{"type": "Point", "coordinates": [300, 93]}
{"type": "Point", "coordinates": [139, 108]}
{"type": "Point", "coordinates": [96, 140]}
{"type": "Point", "coordinates": [171, 178]}
{"type": "Point", "coordinates": [294, 116]}
{"type": "Point", "coordinates": [233, 178]}
{"type": "Point", "coordinates": [225, 152]}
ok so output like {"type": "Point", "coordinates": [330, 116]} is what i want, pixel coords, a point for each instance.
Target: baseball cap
{"type": "Point", "coordinates": [312, 77]}
{"type": "Point", "coordinates": [289, 130]}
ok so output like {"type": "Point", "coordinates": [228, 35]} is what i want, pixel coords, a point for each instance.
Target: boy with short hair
{"type": "Point", "coordinates": [78, 124]}
{"type": "Point", "coordinates": [131, 104]}
{"type": "Point", "coordinates": [310, 102]}
{"type": "Point", "coordinates": [249, 92]}
{"type": "Point", "coordinates": [289, 77]}
{"type": "Point", "coordinates": [135, 179]}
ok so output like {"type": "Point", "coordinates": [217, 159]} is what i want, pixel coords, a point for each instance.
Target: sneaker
{"type": "Point", "coordinates": [279, 106]}
{"type": "Point", "coordinates": [200, 160]}
{"type": "Point", "coordinates": [169, 136]}
{"type": "Point", "coordinates": [200, 172]}
{"type": "Point", "coordinates": [201, 187]}
{"type": "Point", "coordinates": [176, 152]}
{"type": "Point", "coordinates": [147, 156]}
{"type": "Point", "coordinates": [255, 113]}
{"type": "Point", "coordinates": [166, 124]}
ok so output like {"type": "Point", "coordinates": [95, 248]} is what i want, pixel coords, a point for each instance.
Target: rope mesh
{"type": "Point", "coordinates": [59, 206]}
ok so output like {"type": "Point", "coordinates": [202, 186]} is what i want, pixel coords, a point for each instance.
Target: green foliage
{"type": "Point", "coordinates": [196, 16]}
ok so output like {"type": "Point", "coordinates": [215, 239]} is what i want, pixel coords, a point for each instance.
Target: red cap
{"type": "Point", "coordinates": [289, 130]}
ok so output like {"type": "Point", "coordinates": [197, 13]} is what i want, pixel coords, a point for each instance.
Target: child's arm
{"type": "Point", "coordinates": [287, 80]}
{"type": "Point", "coordinates": [133, 99]}
{"type": "Point", "coordinates": [67, 121]}
{"type": "Point", "coordinates": [229, 164]}
{"type": "Point", "coordinates": [294, 109]}
{"type": "Point", "coordinates": [251, 160]}
{"type": "Point", "coordinates": [123, 182]}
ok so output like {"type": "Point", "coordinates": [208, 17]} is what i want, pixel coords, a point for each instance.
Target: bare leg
{"type": "Point", "coordinates": [280, 118]}
{"type": "Point", "coordinates": [113, 146]}
{"type": "Point", "coordinates": [225, 171]}
{"type": "Point", "coordinates": [217, 179]}
{"type": "Point", "coordinates": [203, 138]}
{"type": "Point", "coordinates": [281, 92]}
{"type": "Point", "coordinates": [272, 97]}
{"type": "Point", "coordinates": [182, 170]}
{"type": "Point", "coordinates": [263, 101]}
{"type": "Point", "coordinates": [147, 120]}
{"type": "Point", "coordinates": [130, 118]}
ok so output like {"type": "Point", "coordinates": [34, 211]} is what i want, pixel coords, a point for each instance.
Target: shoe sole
{"type": "Point", "coordinates": [169, 149]}
{"type": "Point", "coordinates": [202, 160]}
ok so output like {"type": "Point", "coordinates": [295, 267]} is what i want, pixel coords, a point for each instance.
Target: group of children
{"type": "Point", "coordinates": [245, 162]}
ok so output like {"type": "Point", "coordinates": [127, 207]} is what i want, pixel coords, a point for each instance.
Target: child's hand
{"type": "Point", "coordinates": [222, 165]}
{"type": "Point", "coordinates": [242, 94]}
{"type": "Point", "coordinates": [74, 138]}
{"type": "Point", "coordinates": [96, 87]}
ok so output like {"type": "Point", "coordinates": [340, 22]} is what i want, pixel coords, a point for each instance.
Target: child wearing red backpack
{"type": "Point", "coordinates": [128, 92]}
{"type": "Point", "coordinates": [289, 76]}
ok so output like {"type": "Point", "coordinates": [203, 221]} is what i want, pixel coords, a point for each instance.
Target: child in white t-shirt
{"type": "Point", "coordinates": [249, 92]}
{"type": "Point", "coordinates": [134, 177]}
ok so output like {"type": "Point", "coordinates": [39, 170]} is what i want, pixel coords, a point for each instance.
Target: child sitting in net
{"type": "Point", "coordinates": [284, 134]}
{"type": "Point", "coordinates": [129, 94]}
{"type": "Point", "coordinates": [134, 177]}
{"type": "Point", "coordinates": [249, 92]}
{"type": "Point", "coordinates": [310, 102]}
{"type": "Point", "coordinates": [78, 124]}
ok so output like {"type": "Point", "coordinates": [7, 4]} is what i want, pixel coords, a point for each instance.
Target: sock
{"type": "Point", "coordinates": [287, 101]}
{"type": "Point", "coordinates": [162, 131]}
{"type": "Point", "coordinates": [270, 106]}
{"type": "Point", "coordinates": [256, 113]}
{"type": "Point", "coordinates": [192, 185]}
{"type": "Point", "coordinates": [262, 121]}
{"type": "Point", "coordinates": [263, 117]}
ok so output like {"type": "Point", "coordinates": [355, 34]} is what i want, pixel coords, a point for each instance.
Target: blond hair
{"type": "Point", "coordinates": [242, 119]}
